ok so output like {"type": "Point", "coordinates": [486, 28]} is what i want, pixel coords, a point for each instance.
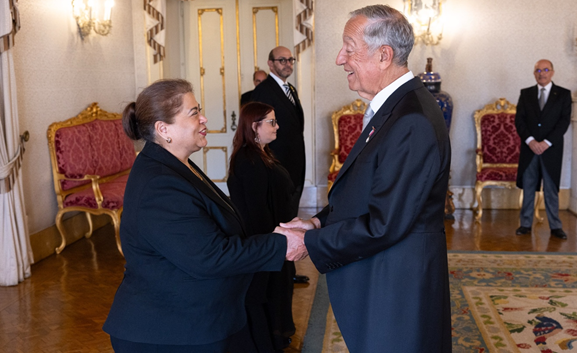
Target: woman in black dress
{"type": "Point", "coordinates": [263, 192]}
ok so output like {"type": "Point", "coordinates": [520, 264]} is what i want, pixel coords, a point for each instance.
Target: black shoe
{"type": "Point", "coordinates": [523, 230]}
{"type": "Point", "coordinates": [559, 233]}
{"type": "Point", "coordinates": [300, 279]}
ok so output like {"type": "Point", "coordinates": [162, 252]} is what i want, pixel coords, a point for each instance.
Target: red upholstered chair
{"type": "Point", "coordinates": [91, 157]}
{"type": "Point", "coordinates": [347, 126]}
{"type": "Point", "coordinates": [497, 149]}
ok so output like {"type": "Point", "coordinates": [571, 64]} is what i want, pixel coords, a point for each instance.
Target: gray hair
{"type": "Point", "coordinates": [387, 26]}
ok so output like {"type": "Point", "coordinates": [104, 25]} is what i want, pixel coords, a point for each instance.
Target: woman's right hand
{"type": "Point", "coordinates": [295, 237]}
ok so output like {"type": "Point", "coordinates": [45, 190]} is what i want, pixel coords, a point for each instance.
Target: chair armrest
{"type": "Point", "coordinates": [95, 188]}
{"type": "Point", "coordinates": [335, 165]}
{"type": "Point", "coordinates": [479, 159]}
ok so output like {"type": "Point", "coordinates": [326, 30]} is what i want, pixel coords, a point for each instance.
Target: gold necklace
{"type": "Point", "coordinates": [194, 171]}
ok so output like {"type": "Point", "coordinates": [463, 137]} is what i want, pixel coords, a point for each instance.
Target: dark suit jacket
{"type": "Point", "coordinates": [188, 260]}
{"type": "Point", "coordinates": [289, 146]}
{"type": "Point", "coordinates": [382, 244]}
{"type": "Point", "coordinates": [245, 98]}
{"type": "Point", "coordinates": [550, 124]}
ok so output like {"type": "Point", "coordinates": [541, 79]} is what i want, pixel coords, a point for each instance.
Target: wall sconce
{"type": "Point", "coordinates": [425, 16]}
{"type": "Point", "coordinates": [86, 17]}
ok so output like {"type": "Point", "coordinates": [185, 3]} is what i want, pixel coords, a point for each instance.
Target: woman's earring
{"type": "Point", "coordinates": [168, 139]}
{"type": "Point", "coordinates": [257, 139]}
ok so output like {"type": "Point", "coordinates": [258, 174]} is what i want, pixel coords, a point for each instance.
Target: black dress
{"type": "Point", "coordinates": [265, 197]}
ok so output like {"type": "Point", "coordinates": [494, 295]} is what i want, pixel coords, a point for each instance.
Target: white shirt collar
{"type": "Point", "coordinates": [386, 92]}
{"type": "Point", "coordinates": [280, 82]}
{"type": "Point", "coordinates": [547, 87]}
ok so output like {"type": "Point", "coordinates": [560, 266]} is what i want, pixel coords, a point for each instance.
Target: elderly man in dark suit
{"type": "Point", "coordinates": [381, 239]}
{"type": "Point", "coordinates": [543, 116]}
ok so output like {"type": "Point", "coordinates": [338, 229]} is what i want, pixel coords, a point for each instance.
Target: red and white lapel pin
{"type": "Point", "coordinates": [370, 134]}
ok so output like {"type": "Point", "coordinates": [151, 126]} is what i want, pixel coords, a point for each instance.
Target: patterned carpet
{"type": "Point", "coordinates": [505, 302]}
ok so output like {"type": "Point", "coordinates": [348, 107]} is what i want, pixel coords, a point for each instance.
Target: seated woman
{"type": "Point", "coordinates": [263, 192]}
{"type": "Point", "coordinates": [188, 261]}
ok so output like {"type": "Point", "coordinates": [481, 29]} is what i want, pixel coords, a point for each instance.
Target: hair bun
{"type": "Point", "coordinates": [130, 122]}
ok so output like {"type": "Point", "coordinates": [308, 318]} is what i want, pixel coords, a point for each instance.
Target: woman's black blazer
{"type": "Point", "coordinates": [188, 261]}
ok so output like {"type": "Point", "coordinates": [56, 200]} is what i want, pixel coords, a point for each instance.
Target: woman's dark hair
{"type": "Point", "coordinates": [245, 135]}
{"type": "Point", "coordinates": [160, 101]}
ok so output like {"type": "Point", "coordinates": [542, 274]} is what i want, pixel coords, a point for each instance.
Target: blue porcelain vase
{"type": "Point", "coordinates": [432, 80]}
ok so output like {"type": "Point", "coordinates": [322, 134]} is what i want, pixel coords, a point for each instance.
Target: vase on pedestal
{"type": "Point", "coordinates": [432, 80]}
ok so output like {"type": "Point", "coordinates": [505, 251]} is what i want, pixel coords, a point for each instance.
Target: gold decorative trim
{"type": "Point", "coordinates": [205, 160]}
{"type": "Point", "coordinates": [255, 10]}
{"type": "Point", "coordinates": [219, 11]}
{"type": "Point", "coordinates": [238, 66]}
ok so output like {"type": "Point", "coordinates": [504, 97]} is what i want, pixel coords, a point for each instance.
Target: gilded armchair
{"type": "Point", "coordinates": [497, 152]}
{"type": "Point", "coordinates": [347, 126]}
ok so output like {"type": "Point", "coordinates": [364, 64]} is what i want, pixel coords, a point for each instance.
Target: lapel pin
{"type": "Point", "coordinates": [370, 134]}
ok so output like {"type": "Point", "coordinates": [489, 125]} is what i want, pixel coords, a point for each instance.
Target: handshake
{"type": "Point", "coordinates": [294, 231]}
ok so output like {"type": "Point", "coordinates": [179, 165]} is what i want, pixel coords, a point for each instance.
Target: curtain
{"type": "Point", "coordinates": [304, 19]}
{"type": "Point", "coordinates": [15, 251]}
{"type": "Point", "coordinates": [155, 33]}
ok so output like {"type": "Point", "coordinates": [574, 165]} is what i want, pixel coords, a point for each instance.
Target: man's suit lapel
{"type": "Point", "coordinates": [282, 97]}
{"type": "Point", "coordinates": [551, 100]}
{"type": "Point", "coordinates": [377, 122]}
{"type": "Point", "coordinates": [534, 98]}
{"type": "Point", "coordinates": [297, 105]}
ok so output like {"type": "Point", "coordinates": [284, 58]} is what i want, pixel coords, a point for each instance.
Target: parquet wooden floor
{"type": "Point", "coordinates": [62, 307]}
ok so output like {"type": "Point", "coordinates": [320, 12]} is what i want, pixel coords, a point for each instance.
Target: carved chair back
{"type": "Point", "coordinates": [347, 127]}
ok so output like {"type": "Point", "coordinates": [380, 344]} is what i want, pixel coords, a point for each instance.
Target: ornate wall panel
{"type": "Point", "coordinates": [212, 73]}
{"type": "Point", "coordinates": [216, 163]}
{"type": "Point", "coordinates": [265, 23]}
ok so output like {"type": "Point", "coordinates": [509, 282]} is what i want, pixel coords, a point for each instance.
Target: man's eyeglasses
{"type": "Point", "coordinates": [538, 71]}
{"type": "Point", "coordinates": [270, 121]}
{"type": "Point", "coordinates": [283, 61]}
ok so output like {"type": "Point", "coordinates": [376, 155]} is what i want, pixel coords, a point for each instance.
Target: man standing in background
{"type": "Point", "coordinates": [543, 116]}
{"type": "Point", "coordinates": [257, 78]}
{"type": "Point", "coordinates": [289, 146]}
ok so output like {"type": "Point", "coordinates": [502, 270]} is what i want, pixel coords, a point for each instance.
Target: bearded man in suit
{"type": "Point", "coordinates": [542, 118]}
{"type": "Point", "coordinates": [381, 239]}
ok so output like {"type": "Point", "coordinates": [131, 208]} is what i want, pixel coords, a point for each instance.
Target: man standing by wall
{"type": "Point", "coordinates": [257, 78]}
{"type": "Point", "coordinates": [381, 238]}
{"type": "Point", "coordinates": [543, 116]}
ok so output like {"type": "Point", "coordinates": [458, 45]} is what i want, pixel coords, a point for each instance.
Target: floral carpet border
{"type": "Point", "coordinates": [505, 302]}
{"type": "Point", "coordinates": [516, 302]}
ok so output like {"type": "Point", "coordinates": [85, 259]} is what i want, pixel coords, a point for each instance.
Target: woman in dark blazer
{"type": "Point", "coordinates": [189, 261]}
{"type": "Point", "coordinates": [263, 192]}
